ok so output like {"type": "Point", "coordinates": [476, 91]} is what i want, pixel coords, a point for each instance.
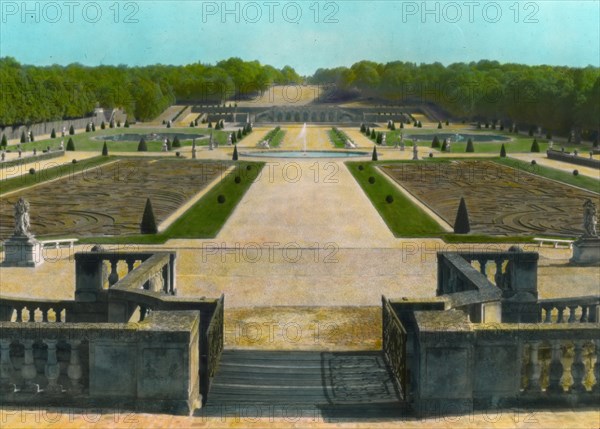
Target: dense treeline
{"type": "Point", "coordinates": [557, 99]}
{"type": "Point", "coordinates": [36, 94]}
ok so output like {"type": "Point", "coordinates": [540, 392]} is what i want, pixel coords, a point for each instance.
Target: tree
{"type": "Point", "coordinates": [142, 146]}
{"type": "Point", "coordinates": [444, 146]}
{"type": "Point", "coordinates": [470, 146]}
{"type": "Point", "coordinates": [363, 129]}
{"type": "Point", "coordinates": [111, 124]}
{"type": "Point", "coordinates": [70, 144]}
{"type": "Point", "coordinates": [374, 157]}
{"type": "Point", "coordinates": [419, 124]}
{"type": "Point", "coordinates": [393, 126]}
{"type": "Point", "coordinates": [126, 125]}
{"type": "Point", "coordinates": [169, 145]}
{"type": "Point", "coordinates": [239, 134]}
{"type": "Point", "coordinates": [119, 124]}
{"type": "Point", "coordinates": [192, 124]}
{"type": "Point", "coordinates": [439, 125]}
{"type": "Point", "coordinates": [176, 142]}
{"type": "Point", "coordinates": [373, 135]}
{"type": "Point", "coordinates": [148, 223]}
{"type": "Point", "coordinates": [447, 122]}
{"type": "Point", "coordinates": [23, 138]}
{"type": "Point", "coordinates": [71, 130]}
{"type": "Point", "coordinates": [31, 136]}
{"type": "Point", "coordinates": [502, 151]}
{"type": "Point", "coordinates": [53, 134]}
{"type": "Point", "coordinates": [379, 138]}
{"type": "Point", "coordinates": [105, 150]}
{"type": "Point", "coordinates": [235, 154]}
{"type": "Point", "coordinates": [102, 125]}
{"type": "Point", "coordinates": [210, 124]}
{"type": "Point", "coordinates": [88, 128]}
{"type": "Point", "coordinates": [461, 224]}
{"type": "Point", "coordinates": [4, 141]}
{"type": "Point", "coordinates": [233, 138]}
{"type": "Point", "coordinates": [93, 127]}
{"type": "Point", "coordinates": [535, 147]}
{"type": "Point", "coordinates": [401, 124]}
{"type": "Point", "coordinates": [435, 143]}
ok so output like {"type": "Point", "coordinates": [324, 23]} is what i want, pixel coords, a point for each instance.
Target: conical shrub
{"type": "Point", "coordinates": [461, 224]}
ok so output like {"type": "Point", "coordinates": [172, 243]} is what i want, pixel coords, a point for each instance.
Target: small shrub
{"type": "Point", "coordinates": [148, 223]}
{"type": "Point", "coordinates": [4, 141]}
{"type": "Point", "coordinates": [439, 125]}
{"type": "Point", "coordinates": [237, 179]}
{"type": "Point", "coordinates": [575, 172]}
{"type": "Point", "coordinates": [105, 150]}
{"type": "Point", "coordinates": [74, 161]}
{"type": "Point", "coordinates": [389, 199]}
{"type": "Point", "coordinates": [23, 138]}
{"type": "Point", "coordinates": [102, 125]}
{"type": "Point", "coordinates": [535, 147]}
{"type": "Point", "coordinates": [361, 168]}
{"type": "Point", "coordinates": [435, 143]}
{"type": "Point", "coordinates": [374, 157]}
{"type": "Point", "coordinates": [371, 180]}
{"type": "Point", "coordinates": [93, 127]}
{"type": "Point", "coordinates": [234, 157]}
{"type": "Point", "coordinates": [126, 123]}
{"type": "Point", "coordinates": [533, 162]}
{"type": "Point", "coordinates": [430, 154]}
{"type": "Point", "coordinates": [53, 134]}
{"type": "Point", "coordinates": [461, 224]}
{"type": "Point", "coordinates": [248, 167]}
{"type": "Point", "coordinates": [470, 146]}
{"type": "Point", "coordinates": [502, 151]}
{"type": "Point", "coordinates": [176, 142]}
{"type": "Point", "coordinates": [142, 146]}
{"type": "Point", "coordinates": [71, 130]}
{"type": "Point", "coordinates": [177, 153]}
{"type": "Point", "coordinates": [221, 199]}
{"type": "Point", "coordinates": [32, 171]}
{"type": "Point", "coordinates": [70, 144]}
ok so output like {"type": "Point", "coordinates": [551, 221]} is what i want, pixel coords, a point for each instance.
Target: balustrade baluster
{"type": "Point", "coordinates": [498, 276]}
{"type": "Point", "coordinates": [584, 313]}
{"type": "Point", "coordinates": [28, 370]}
{"type": "Point", "coordinates": [74, 371]}
{"type": "Point", "coordinates": [165, 278]}
{"type": "Point", "coordinates": [561, 310]}
{"type": "Point", "coordinates": [596, 387]}
{"type": "Point", "coordinates": [130, 263]}
{"type": "Point", "coordinates": [548, 310]}
{"type": "Point", "coordinates": [44, 314]}
{"type": "Point", "coordinates": [20, 314]}
{"type": "Point", "coordinates": [31, 314]}
{"type": "Point", "coordinates": [482, 264]}
{"type": "Point", "coordinates": [572, 309]}
{"type": "Point", "coordinates": [114, 275]}
{"type": "Point", "coordinates": [6, 366]}
{"type": "Point", "coordinates": [578, 368]}
{"type": "Point", "coordinates": [52, 369]}
{"type": "Point", "coordinates": [534, 369]}
{"type": "Point", "coordinates": [555, 372]}
{"type": "Point", "coordinates": [143, 311]}
{"type": "Point", "coordinates": [58, 313]}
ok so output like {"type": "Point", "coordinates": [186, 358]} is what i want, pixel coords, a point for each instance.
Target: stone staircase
{"type": "Point", "coordinates": [302, 384]}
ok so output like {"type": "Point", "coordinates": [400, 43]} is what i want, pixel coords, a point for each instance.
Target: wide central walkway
{"type": "Point", "coordinates": [309, 203]}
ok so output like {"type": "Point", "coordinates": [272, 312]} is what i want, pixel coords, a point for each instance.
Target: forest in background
{"type": "Point", "coordinates": [557, 99]}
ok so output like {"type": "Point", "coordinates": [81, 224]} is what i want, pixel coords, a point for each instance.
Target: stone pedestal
{"type": "Point", "coordinates": [586, 251]}
{"type": "Point", "coordinates": [22, 251]}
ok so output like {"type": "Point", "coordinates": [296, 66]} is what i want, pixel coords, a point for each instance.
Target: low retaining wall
{"type": "Point", "coordinates": [573, 159]}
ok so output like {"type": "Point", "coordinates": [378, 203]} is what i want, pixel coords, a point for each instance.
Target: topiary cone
{"type": "Point", "coordinates": [235, 153]}
{"type": "Point", "coordinates": [148, 224]}
{"type": "Point", "coordinates": [374, 158]}
{"type": "Point", "coordinates": [502, 151]}
{"type": "Point", "coordinates": [104, 150]}
{"type": "Point", "coordinates": [461, 224]}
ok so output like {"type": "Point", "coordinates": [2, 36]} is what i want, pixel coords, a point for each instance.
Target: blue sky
{"type": "Point", "coordinates": [303, 34]}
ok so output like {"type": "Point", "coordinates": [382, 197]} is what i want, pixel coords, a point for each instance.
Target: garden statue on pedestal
{"type": "Point", "coordinates": [586, 250]}
{"type": "Point", "coordinates": [22, 249]}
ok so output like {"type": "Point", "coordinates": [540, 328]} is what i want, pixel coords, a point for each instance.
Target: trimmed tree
{"type": "Point", "coordinates": [373, 135]}
{"type": "Point", "coordinates": [379, 138]}
{"type": "Point", "coordinates": [169, 146]}
{"type": "Point", "coordinates": [70, 144]}
{"type": "Point", "coordinates": [461, 224]}
{"type": "Point", "coordinates": [142, 146]}
{"type": "Point", "coordinates": [401, 124]}
{"type": "Point", "coordinates": [502, 151]}
{"type": "Point", "coordinates": [31, 136]}
{"type": "Point", "coordinates": [53, 134]}
{"type": "Point", "coordinates": [233, 138]}
{"type": "Point", "coordinates": [105, 150]}
{"type": "Point", "coordinates": [374, 157]}
{"type": "Point", "coordinates": [209, 124]}
{"type": "Point", "coordinates": [235, 154]}
{"type": "Point", "coordinates": [239, 134]}
{"type": "Point", "coordinates": [535, 147]}
{"type": "Point", "coordinates": [102, 125]}
{"type": "Point", "coordinates": [435, 143]}
{"type": "Point", "coordinates": [148, 223]}
{"type": "Point", "coordinates": [444, 146]}
{"type": "Point", "coordinates": [23, 138]}
{"type": "Point", "coordinates": [112, 123]}
{"type": "Point", "coordinates": [470, 146]}
{"type": "Point", "coordinates": [176, 142]}
{"type": "Point", "coordinates": [88, 128]}
{"type": "Point", "coordinates": [93, 127]}
{"type": "Point", "coordinates": [363, 129]}
{"type": "Point", "coordinates": [4, 141]}
{"type": "Point", "coordinates": [439, 125]}
{"type": "Point", "coordinates": [71, 130]}
{"type": "Point", "coordinates": [126, 125]}
{"type": "Point", "coordinates": [419, 124]}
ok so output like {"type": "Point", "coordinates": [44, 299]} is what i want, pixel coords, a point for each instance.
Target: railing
{"type": "Point", "coordinates": [394, 347]}
{"type": "Point", "coordinates": [214, 340]}
{"type": "Point", "coordinates": [515, 270]}
{"type": "Point", "coordinates": [33, 310]}
{"type": "Point", "coordinates": [107, 363]}
{"type": "Point", "coordinates": [581, 309]}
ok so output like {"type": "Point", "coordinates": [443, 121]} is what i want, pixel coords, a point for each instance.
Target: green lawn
{"type": "Point", "coordinates": [338, 139]}
{"type": "Point", "coordinates": [275, 137]}
{"type": "Point", "coordinates": [51, 173]}
{"type": "Point", "coordinates": [93, 141]}
{"type": "Point", "coordinates": [519, 143]}
{"type": "Point", "coordinates": [585, 182]}
{"type": "Point", "coordinates": [205, 218]}
{"type": "Point", "coordinates": [402, 216]}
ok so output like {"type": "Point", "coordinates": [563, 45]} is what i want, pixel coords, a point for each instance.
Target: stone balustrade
{"type": "Point", "coordinates": [152, 365]}
{"type": "Point", "coordinates": [570, 310]}
{"type": "Point", "coordinates": [33, 310]}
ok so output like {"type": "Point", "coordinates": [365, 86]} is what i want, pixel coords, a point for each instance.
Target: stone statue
{"type": "Point", "coordinates": [22, 218]}
{"type": "Point", "coordinates": [415, 150]}
{"type": "Point", "coordinates": [589, 219]}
